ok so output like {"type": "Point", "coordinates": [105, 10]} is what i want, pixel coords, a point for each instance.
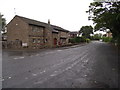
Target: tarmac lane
{"type": "Point", "coordinates": [93, 65]}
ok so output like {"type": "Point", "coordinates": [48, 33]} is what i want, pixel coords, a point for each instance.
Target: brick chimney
{"type": "Point", "coordinates": [49, 21]}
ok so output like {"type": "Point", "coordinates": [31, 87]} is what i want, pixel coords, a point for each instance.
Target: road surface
{"type": "Point", "coordinates": [93, 65]}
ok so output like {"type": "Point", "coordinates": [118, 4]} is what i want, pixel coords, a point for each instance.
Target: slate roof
{"type": "Point", "coordinates": [74, 32]}
{"type": "Point", "coordinates": [38, 23]}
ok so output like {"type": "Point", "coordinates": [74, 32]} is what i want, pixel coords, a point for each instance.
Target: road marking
{"type": "Point", "coordinates": [26, 78]}
{"type": "Point", "coordinates": [85, 61]}
{"type": "Point", "coordinates": [53, 75]}
{"type": "Point", "coordinates": [55, 71]}
{"type": "Point", "coordinates": [59, 50]}
{"type": "Point", "coordinates": [19, 58]}
{"type": "Point", "coordinates": [34, 74]}
{"type": "Point", "coordinates": [15, 58]}
{"type": "Point", "coordinates": [41, 81]}
{"type": "Point", "coordinates": [42, 72]}
{"type": "Point", "coordinates": [58, 64]}
{"type": "Point", "coordinates": [83, 57]}
{"type": "Point", "coordinates": [85, 75]}
{"type": "Point", "coordinates": [49, 52]}
{"type": "Point", "coordinates": [9, 77]}
{"type": "Point", "coordinates": [68, 68]}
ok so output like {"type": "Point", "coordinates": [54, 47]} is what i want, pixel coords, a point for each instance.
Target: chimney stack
{"type": "Point", "coordinates": [49, 21]}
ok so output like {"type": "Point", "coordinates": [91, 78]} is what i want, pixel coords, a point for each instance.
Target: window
{"type": "Point", "coordinates": [38, 40]}
{"type": "Point", "coordinates": [45, 40]}
{"type": "Point", "coordinates": [34, 29]}
{"type": "Point", "coordinates": [38, 30]}
{"type": "Point", "coordinates": [34, 41]}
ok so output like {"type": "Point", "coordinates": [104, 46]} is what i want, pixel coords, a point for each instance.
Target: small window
{"type": "Point", "coordinates": [46, 40]}
{"type": "Point", "coordinates": [38, 30]}
{"type": "Point", "coordinates": [38, 40]}
{"type": "Point", "coordinates": [34, 40]}
{"type": "Point", "coordinates": [34, 29]}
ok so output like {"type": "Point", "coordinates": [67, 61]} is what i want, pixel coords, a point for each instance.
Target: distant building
{"type": "Point", "coordinates": [108, 34]}
{"type": "Point", "coordinates": [74, 34]}
{"type": "Point", "coordinates": [24, 32]}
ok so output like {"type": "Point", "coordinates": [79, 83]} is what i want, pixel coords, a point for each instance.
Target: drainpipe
{"type": "Point", "coordinates": [49, 35]}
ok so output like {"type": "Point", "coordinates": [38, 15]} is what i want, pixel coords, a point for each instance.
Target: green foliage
{"type": "Point", "coordinates": [2, 23]}
{"type": "Point", "coordinates": [87, 40]}
{"type": "Point", "coordinates": [77, 40]}
{"type": "Point", "coordinates": [96, 37]}
{"type": "Point", "coordinates": [106, 39]}
{"type": "Point", "coordinates": [82, 39]}
{"type": "Point", "coordinates": [86, 31]}
{"type": "Point", "coordinates": [106, 15]}
{"type": "Point", "coordinates": [116, 40]}
{"type": "Point", "coordinates": [72, 40]}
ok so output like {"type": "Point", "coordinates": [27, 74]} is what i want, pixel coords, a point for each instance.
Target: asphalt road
{"type": "Point", "coordinates": [94, 65]}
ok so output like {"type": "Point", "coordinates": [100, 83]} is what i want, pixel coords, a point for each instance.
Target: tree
{"type": "Point", "coordinates": [97, 37]}
{"type": "Point", "coordinates": [86, 31]}
{"type": "Point", "coordinates": [2, 24]}
{"type": "Point", "coordinates": [106, 15]}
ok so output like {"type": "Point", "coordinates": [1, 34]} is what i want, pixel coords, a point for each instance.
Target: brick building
{"type": "Point", "coordinates": [24, 32]}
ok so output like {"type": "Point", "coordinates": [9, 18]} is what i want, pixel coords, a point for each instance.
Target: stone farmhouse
{"type": "Point", "coordinates": [28, 33]}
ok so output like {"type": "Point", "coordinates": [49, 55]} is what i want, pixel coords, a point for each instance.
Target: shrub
{"type": "Point", "coordinates": [87, 40]}
{"type": "Point", "coordinates": [107, 39]}
{"type": "Point", "coordinates": [96, 37]}
{"type": "Point", "coordinates": [82, 39]}
{"type": "Point", "coordinates": [77, 40]}
{"type": "Point", "coordinates": [72, 40]}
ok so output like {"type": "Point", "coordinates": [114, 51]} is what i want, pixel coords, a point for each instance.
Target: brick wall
{"type": "Point", "coordinates": [17, 30]}
{"type": "Point", "coordinates": [35, 36]}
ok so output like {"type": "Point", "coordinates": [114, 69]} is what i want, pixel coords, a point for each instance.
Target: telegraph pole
{"type": "Point", "coordinates": [15, 11]}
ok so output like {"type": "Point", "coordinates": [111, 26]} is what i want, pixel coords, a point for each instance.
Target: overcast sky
{"type": "Point", "coordinates": [68, 14]}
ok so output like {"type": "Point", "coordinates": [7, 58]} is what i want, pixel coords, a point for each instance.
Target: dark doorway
{"type": "Point", "coordinates": [55, 41]}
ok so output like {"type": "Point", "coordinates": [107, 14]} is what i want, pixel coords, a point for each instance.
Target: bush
{"type": "Point", "coordinates": [87, 40]}
{"type": "Point", "coordinates": [82, 39]}
{"type": "Point", "coordinates": [116, 41]}
{"type": "Point", "coordinates": [95, 37]}
{"type": "Point", "coordinates": [72, 40]}
{"type": "Point", "coordinates": [77, 40]}
{"type": "Point", "coordinates": [107, 39]}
